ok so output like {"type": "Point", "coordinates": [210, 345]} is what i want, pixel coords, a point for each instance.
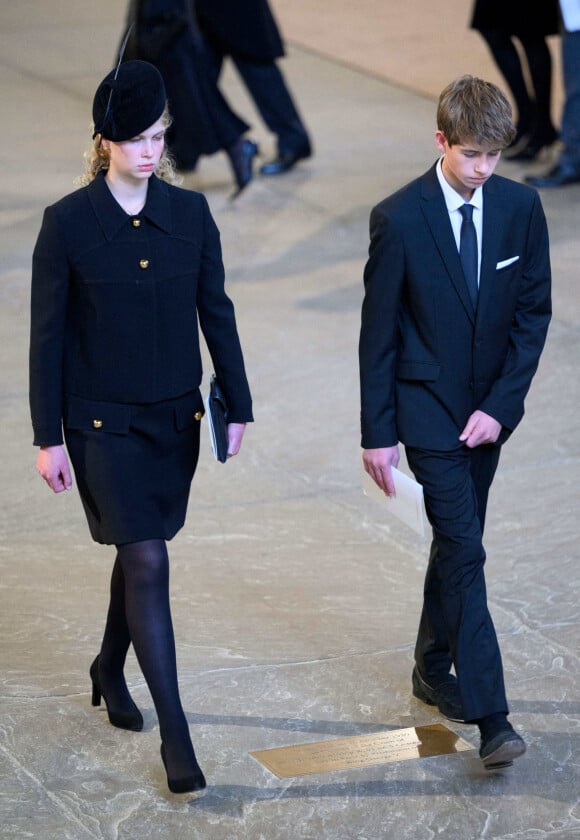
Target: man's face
{"type": "Point", "coordinates": [466, 166]}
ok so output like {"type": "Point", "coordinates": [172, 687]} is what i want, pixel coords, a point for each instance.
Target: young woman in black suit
{"type": "Point", "coordinates": [123, 270]}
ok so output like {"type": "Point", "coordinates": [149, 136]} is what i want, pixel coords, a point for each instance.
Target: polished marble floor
{"type": "Point", "coordinates": [295, 598]}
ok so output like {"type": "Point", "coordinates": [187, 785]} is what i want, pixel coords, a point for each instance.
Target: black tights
{"type": "Point", "coordinates": [534, 113]}
{"type": "Point", "coordinates": [139, 612]}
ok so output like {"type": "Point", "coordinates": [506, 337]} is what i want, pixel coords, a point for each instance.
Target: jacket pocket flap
{"type": "Point", "coordinates": [114, 418]}
{"type": "Point", "coordinates": [424, 371]}
{"type": "Point", "coordinates": [189, 410]}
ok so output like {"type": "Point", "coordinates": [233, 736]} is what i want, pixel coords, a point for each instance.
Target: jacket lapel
{"type": "Point", "coordinates": [495, 220]}
{"type": "Point", "coordinates": [435, 211]}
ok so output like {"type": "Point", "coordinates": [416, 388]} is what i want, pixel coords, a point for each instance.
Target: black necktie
{"type": "Point", "coordinates": [468, 251]}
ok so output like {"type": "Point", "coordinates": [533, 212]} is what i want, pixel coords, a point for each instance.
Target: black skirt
{"type": "Point", "coordinates": [134, 464]}
{"type": "Point", "coordinates": [516, 17]}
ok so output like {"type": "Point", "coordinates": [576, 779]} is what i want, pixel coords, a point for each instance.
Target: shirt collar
{"type": "Point", "coordinates": [111, 215]}
{"type": "Point", "coordinates": [452, 198]}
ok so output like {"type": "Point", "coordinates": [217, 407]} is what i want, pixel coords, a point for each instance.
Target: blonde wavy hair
{"type": "Point", "coordinates": [97, 158]}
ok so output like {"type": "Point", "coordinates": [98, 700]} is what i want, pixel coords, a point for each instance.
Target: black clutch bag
{"type": "Point", "coordinates": [217, 419]}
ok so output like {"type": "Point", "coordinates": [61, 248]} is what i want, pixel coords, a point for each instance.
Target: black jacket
{"type": "Point", "coordinates": [116, 301]}
{"type": "Point", "coordinates": [427, 360]}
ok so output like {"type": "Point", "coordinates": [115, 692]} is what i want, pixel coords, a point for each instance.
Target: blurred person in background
{"type": "Point", "coordinates": [246, 31]}
{"type": "Point", "coordinates": [165, 33]}
{"type": "Point", "coordinates": [499, 22]}
{"type": "Point", "coordinates": [567, 168]}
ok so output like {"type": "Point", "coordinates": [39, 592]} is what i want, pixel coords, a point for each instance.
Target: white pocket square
{"type": "Point", "coordinates": [504, 263]}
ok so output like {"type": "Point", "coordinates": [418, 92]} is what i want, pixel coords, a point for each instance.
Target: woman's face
{"type": "Point", "coordinates": [136, 159]}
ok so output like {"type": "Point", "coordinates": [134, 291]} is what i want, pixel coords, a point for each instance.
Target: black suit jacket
{"type": "Point", "coordinates": [116, 302]}
{"type": "Point", "coordinates": [427, 359]}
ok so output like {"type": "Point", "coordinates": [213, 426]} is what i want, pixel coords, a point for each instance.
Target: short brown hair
{"type": "Point", "coordinates": [472, 109]}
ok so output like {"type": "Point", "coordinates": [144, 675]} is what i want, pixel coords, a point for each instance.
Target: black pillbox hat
{"type": "Point", "coordinates": [128, 100]}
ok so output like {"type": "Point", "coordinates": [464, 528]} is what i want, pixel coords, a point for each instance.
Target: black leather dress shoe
{"type": "Point", "coordinates": [559, 176]}
{"type": "Point", "coordinates": [529, 151]}
{"type": "Point", "coordinates": [499, 750]}
{"type": "Point", "coordinates": [533, 145]}
{"type": "Point", "coordinates": [286, 161]}
{"type": "Point", "coordinates": [444, 695]}
{"type": "Point", "coordinates": [241, 156]}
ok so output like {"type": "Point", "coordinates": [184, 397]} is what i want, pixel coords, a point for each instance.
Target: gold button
{"type": "Point", "coordinates": [136, 222]}
{"type": "Point", "coordinates": [144, 263]}
{"type": "Point", "coordinates": [97, 424]}
{"type": "Point", "coordinates": [198, 415]}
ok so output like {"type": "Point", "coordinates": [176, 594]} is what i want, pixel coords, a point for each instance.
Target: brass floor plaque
{"type": "Point", "coordinates": [361, 751]}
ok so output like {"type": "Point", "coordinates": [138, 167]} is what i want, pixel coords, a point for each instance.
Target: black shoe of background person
{"type": "Point", "coordinates": [561, 175]}
{"type": "Point", "coordinates": [286, 160]}
{"type": "Point", "coordinates": [531, 150]}
{"type": "Point", "coordinates": [499, 749]}
{"type": "Point", "coordinates": [534, 144]}
{"type": "Point", "coordinates": [444, 695]}
{"type": "Point", "coordinates": [521, 137]}
{"type": "Point", "coordinates": [241, 156]}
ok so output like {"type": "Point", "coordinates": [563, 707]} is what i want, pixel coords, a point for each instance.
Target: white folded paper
{"type": "Point", "coordinates": [406, 505]}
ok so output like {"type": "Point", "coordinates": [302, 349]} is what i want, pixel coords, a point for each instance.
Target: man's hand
{"type": "Point", "coordinates": [480, 428]}
{"type": "Point", "coordinates": [235, 435]}
{"type": "Point", "coordinates": [378, 463]}
{"type": "Point", "coordinates": [52, 464]}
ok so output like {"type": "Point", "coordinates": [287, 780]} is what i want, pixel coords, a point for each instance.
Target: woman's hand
{"type": "Point", "coordinates": [235, 435]}
{"type": "Point", "coordinates": [52, 464]}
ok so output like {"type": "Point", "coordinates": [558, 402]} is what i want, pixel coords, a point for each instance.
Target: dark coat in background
{"type": "Point", "coordinates": [241, 28]}
{"type": "Point", "coordinates": [516, 17]}
{"type": "Point", "coordinates": [166, 34]}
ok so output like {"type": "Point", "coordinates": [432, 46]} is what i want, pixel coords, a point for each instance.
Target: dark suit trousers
{"type": "Point", "coordinates": [455, 625]}
{"type": "Point", "coordinates": [267, 87]}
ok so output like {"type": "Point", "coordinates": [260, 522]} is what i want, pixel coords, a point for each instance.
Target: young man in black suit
{"type": "Point", "coordinates": [454, 319]}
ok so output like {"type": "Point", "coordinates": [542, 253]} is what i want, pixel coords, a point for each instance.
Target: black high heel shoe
{"type": "Point", "coordinates": [128, 717]}
{"type": "Point", "coordinates": [241, 156]}
{"type": "Point", "coordinates": [187, 784]}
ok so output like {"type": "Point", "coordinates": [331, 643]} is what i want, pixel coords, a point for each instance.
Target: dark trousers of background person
{"type": "Point", "coordinates": [570, 132]}
{"type": "Point", "coordinates": [455, 623]}
{"type": "Point", "coordinates": [534, 111]}
{"type": "Point", "coordinates": [268, 89]}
